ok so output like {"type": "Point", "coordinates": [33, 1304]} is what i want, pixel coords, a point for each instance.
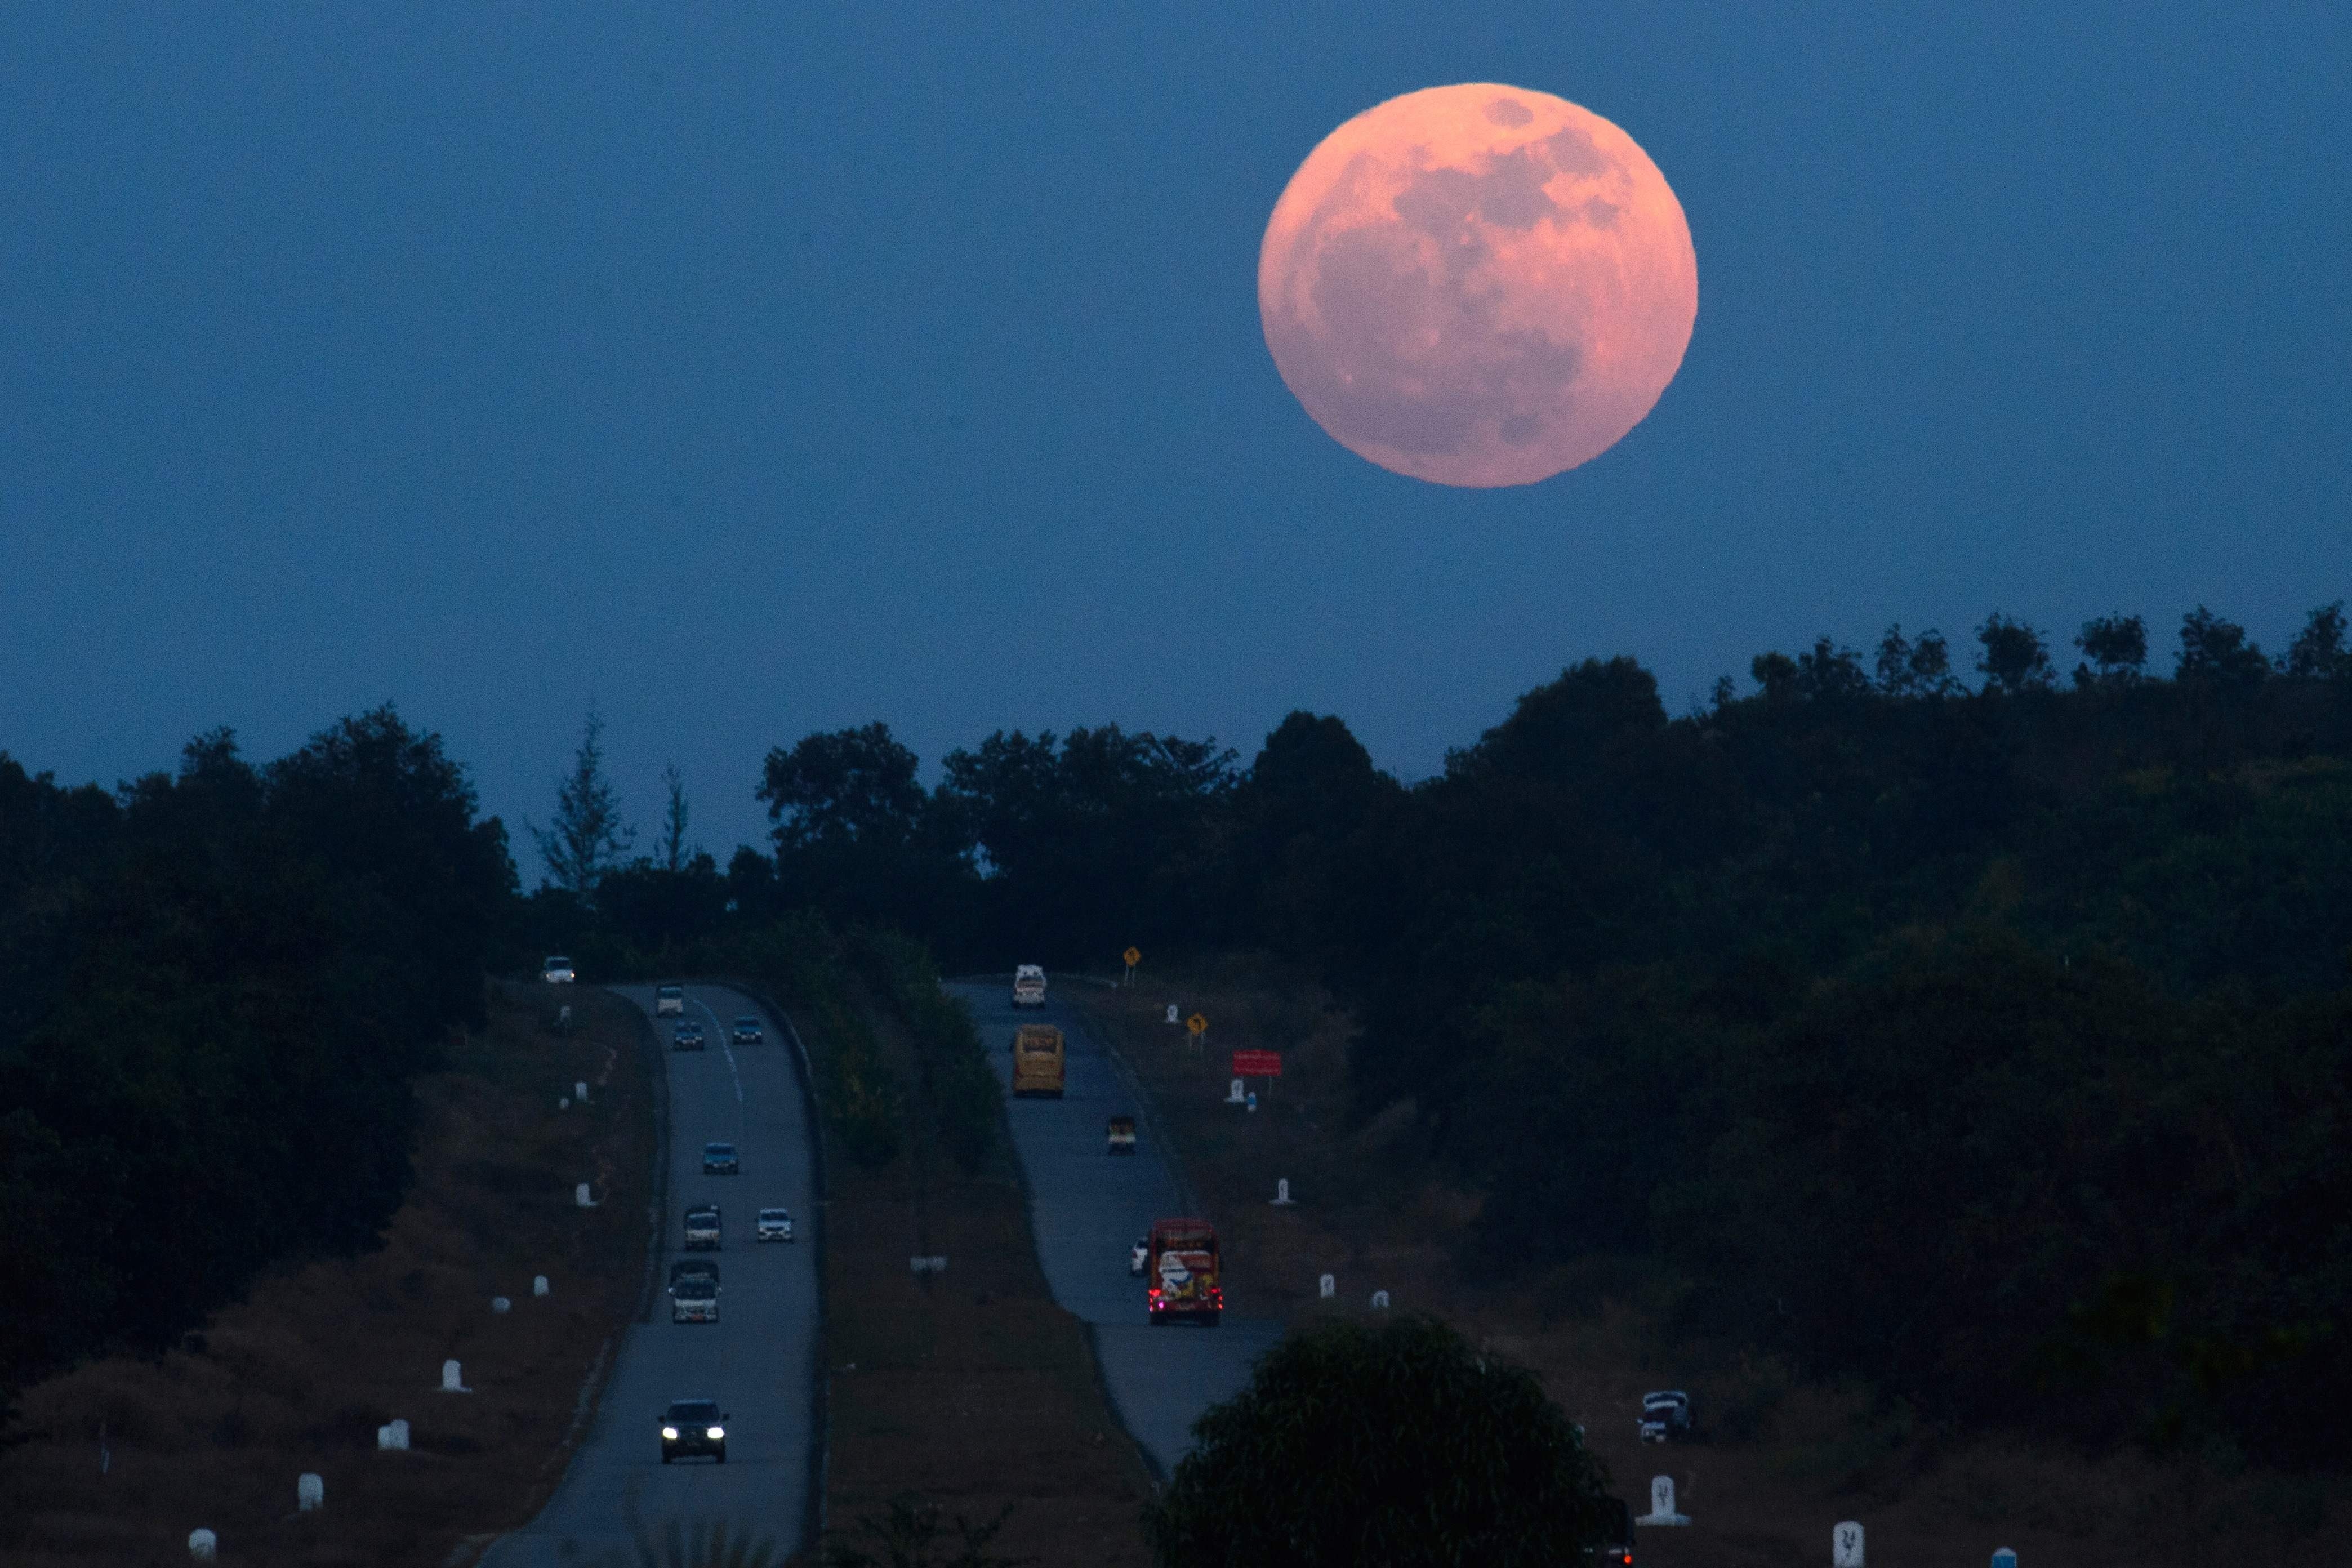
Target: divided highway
{"type": "Point", "coordinates": [1088, 1208]}
{"type": "Point", "coordinates": [757, 1361]}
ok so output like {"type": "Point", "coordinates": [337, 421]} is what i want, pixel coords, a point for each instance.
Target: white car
{"type": "Point", "coordinates": [775, 1225]}
{"type": "Point", "coordinates": [557, 972]}
{"type": "Point", "coordinates": [668, 1001]}
{"type": "Point", "coordinates": [1029, 986]}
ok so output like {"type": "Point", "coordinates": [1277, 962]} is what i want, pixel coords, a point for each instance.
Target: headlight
{"type": "Point", "coordinates": [715, 1433]}
{"type": "Point", "coordinates": [669, 1434]}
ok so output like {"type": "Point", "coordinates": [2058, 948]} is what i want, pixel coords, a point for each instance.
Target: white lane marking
{"type": "Point", "coordinates": [727, 1045]}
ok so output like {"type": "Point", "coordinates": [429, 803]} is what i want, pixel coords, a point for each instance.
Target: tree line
{"type": "Point", "coordinates": [1987, 1040]}
{"type": "Point", "coordinates": [219, 983]}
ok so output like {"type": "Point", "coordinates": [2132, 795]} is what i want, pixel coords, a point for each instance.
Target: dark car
{"type": "Point", "coordinates": [721, 1160]}
{"type": "Point", "coordinates": [694, 1268]}
{"type": "Point", "coordinates": [687, 1037]}
{"type": "Point", "coordinates": [1666, 1417]}
{"type": "Point", "coordinates": [694, 1426]}
{"type": "Point", "coordinates": [747, 1031]}
{"type": "Point", "coordinates": [1615, 1549]}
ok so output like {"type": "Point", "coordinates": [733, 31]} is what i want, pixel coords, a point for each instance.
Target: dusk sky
{"type": "Point", "coordinates": [747, 370]}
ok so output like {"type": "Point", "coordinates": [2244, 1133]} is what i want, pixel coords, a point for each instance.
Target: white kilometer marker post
{"type": "Point", "coordinates": [1845, 1545]}
{"type": "Point", "coordinates": [1327, 1288]}
{"type": "Point", "coordinates": [1282, 1192]}
{"type": "Point", "coordinates": [1234, 1096]}
{"type": "Point", "coordinates": [392, 1437]}
{"type": "Point", "coordinates": [539, 1284]}
{"type": "Point", "coordinates": [204, 1545]}
{"type": "Point", "coordinates": [309, 1494]}
{"type": "Point", "coordinates": [1379, 1300]}
{"type": "Point", "coordinates": [451, 1382]}
{"type": "Point", "coordinates": [1662, 1503]}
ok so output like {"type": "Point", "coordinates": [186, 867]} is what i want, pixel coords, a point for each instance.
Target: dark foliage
{"type": "Point", "coordinates": [219, 983]}
{"type": "Point", "coordinates": [1401, 1443]}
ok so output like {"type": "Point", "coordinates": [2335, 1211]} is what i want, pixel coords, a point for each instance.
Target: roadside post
{"type": "Point", "coordinates": [1171, 1014]}
{"type": "Point", "coordinates": [2003, 1557]}
{"type": "Point", "coordinates": [1662, 1504]}
{"type": "Point", "coordinates": [1133, 957]}
{"type": "Point", "coordinates": [1845, 1545]}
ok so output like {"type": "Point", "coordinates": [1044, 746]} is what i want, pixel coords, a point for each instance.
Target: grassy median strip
{"type": "Point", "coordinates": [117, 1461]}
{"type": "Point", "coordinates": [969, 1386]}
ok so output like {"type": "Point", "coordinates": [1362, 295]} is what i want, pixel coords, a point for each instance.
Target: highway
{"type": "Point", "coordinates": [1088, 1206]}
{"type": "Point", "coordinates": [757, 1361]}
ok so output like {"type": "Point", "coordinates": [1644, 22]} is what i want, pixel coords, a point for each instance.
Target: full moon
{"type": "Point", "coordinates": [1477, 285]}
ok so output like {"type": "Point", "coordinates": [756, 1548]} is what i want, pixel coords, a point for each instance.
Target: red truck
{"type": "Point", "coordinates": [1182, 1268]}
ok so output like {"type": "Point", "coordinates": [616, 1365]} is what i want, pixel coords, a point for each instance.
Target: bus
{"type": "Point", "coordinates": [1037, 1060]}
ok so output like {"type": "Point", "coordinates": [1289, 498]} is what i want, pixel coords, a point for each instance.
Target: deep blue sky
{"type": "Point", "coordinates": [753, 369]}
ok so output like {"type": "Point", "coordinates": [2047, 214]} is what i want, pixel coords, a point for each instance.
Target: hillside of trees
{"type": "Point", "coordinates": [218, 984]}
{"type": "Point", "coordinates": [1989, 1040]}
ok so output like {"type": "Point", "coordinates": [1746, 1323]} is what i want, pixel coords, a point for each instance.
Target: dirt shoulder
{"type": "Point", "coordinates": [970, 1387]}
{"type": "Point", "coordinates": [1787, 1459]}
{"type": "Point", "coordinates": [297, 1377]}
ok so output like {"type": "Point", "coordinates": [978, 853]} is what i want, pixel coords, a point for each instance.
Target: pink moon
{"type": "Point", "coordinates": [1477, 285]}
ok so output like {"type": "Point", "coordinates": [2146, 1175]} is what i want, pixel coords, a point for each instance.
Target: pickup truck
{"type": "Point", "coordinates": [1184, 1274]}
{"type": "Point", "coordinates": [1667, 1416]}
{"type": "Point", "coordinates": [694, 1299]}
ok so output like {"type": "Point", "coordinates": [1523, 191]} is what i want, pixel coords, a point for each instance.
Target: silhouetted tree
{"type": "Point", "coordinates": [674, 820]}
{"type": "Point", "coordinates": [2318, 651]}
{"type": "Point", "coordinates": [1401, 1443]}
{"type": "Point", "coordinates": [1907, 669]}
{"type": "Point", "coordinates": [588, 836]}
{"type": "Point", "coordinates": [2116, 644]}
{"type": "Point", "coordinates": [2015, 659]}
{"type": "Point", "coordinates": [2216, 652]}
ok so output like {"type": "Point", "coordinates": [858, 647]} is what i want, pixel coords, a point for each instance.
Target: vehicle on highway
{"type": "Point", "coordinates": [1138, 1257]}
{"type": "Point", "coordinates": [1615, 1549]}
{"type": "Point", "coordinates": [694, 1426]}
{"type": "Point", "coordinates": [748, 1031]}
{"type": "Point", "coordinates": [702, 1230]}
{"type": "Point", "coordinates": [669, 1001]}
{"type": "Point", "coordinates": [1028, 985]}
{"type": "Point", "coordinates": [694, 1268]}
{"type": "Point", "coordinates": [1037, 1062]}
{"type": "Point", "coordinates": [775, 1225]}
{"type": "Point", "coordinates": [1182, 1268]}
{"type": "Point", "coordinates": [687, 1036]}
{"type": "Point", "coordinates": [557, 971]}
{"type": "Point", "coordinates": [694, 1299]}
{"type": "Point", "coordinates": [721, 1160]}
{"type": "Point", "coordinates": [1118, 1136]}
{"type": "Point", "coordinates": [1667, 1416]}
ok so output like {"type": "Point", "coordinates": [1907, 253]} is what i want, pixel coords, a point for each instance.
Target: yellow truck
{"type": "Point", "coordinates": [1037, 1060]}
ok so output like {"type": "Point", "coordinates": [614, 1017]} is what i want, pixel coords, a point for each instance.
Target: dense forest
{"type": "Point", "coordinates": [1987, 1040]}
{"type": "Point", "coordinates": [218, 984]}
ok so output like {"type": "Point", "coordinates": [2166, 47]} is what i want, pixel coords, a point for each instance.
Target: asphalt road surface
{"type": "Point", "coordinates": [757, 1361]}
{"type": "Point", "coordinates": [1088, 1208]}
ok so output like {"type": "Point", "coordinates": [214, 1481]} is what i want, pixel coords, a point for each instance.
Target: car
{"type": "Point", "coordinates": [1616, 1547]}
{"type": "Point", "coordinates": [702, 1229]}
{"type": "Point", "coordinates": [748, 1031]}
{"type": "Point", "coordinates": [1028, 985]}
{"type": "Point", "coordinates": [694, 1299]}
{"type": "Point", "coordinates": [1119, 1135]}
{"type": "Point", "coordinates": [687, 1037]}
{"type": "Point", "coordinates": [669, 1001]}
{"type": "Point", "coordinates": [1667, 1416]}
{"type": "Point", "coordinates": [775, 1225]}
{"type": "Point", "coordinates": [1138, 1256]}
{"type": "Point", "coordinates": [721, 1160]}
{"type": "Point", "coordinates": [694, 1426]}
{"type": "Point", "coordinates": [694, 1268]}
{"type": "Point", "coordinates": [557, 971]}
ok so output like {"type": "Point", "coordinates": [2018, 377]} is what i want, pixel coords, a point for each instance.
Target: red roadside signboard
{"type": "Point", "coordinates": [1258, 1063]}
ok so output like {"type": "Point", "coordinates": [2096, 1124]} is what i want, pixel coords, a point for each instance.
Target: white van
{"type": "Point", "coordinates": [1029, 986]}
{"type": "Point", "coordinates": [668, 1000]}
